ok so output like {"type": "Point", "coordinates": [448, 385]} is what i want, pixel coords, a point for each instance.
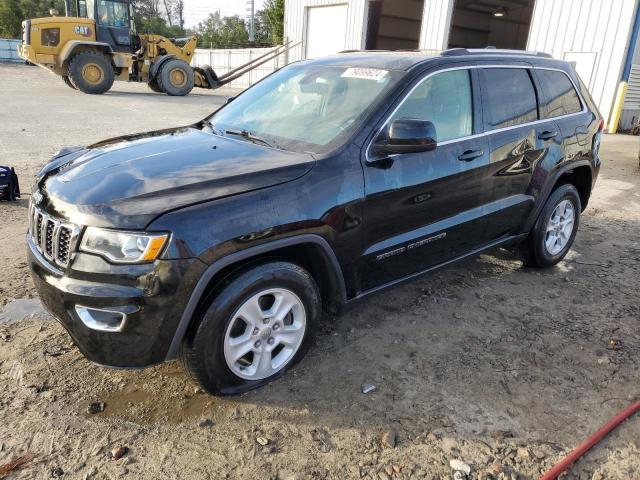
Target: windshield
{"type": "Point", "coordinates": [113, 14]}
{"type": "Point", "coordinates": [305, 108]}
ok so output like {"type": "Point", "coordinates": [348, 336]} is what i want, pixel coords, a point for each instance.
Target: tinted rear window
{"type": "Point", "coordinates": [510, 98]}
{"type": "Point", "coordinates": [562, 97]}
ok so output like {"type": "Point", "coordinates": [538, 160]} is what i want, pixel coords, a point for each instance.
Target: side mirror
{"type": "Point", "coordinates": [408, 135]}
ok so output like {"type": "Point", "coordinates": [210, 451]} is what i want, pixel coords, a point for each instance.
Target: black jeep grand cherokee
{"type": "Point", "coordinates": [329, 180]}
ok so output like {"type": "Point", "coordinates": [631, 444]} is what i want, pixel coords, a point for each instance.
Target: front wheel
{"type": "Point", "coordinates": [253, 330]}
{"type": "Point", "coordinates": [175, 77]}
{"type": "Point", "coordinates": [556, 228]}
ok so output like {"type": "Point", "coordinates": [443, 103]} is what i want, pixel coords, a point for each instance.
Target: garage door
{"type": "Point", "coordinates": [326, 30]}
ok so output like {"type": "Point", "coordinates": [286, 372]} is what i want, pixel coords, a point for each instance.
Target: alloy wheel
{"type": "Point", "coordinates": [560, 227]}
{"type": "Point", "coordinates": [264, 334]}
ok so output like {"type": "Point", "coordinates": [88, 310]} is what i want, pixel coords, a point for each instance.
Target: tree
{"type": "Point", "coordinates": [273, 14]}
{"type": "Point", "coordinates": [10, 18]}
{"type": "Point", "coordinates": [152, 16]}
{"type": "Point", "coordinates": [225, 32]}
{"type": "Point", "coordinates": [13, 12]}
{"type": "Point", "coordinates": [179, 10]}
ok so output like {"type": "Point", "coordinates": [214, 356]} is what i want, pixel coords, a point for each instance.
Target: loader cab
{"type": "Point", "coordinates": [114, 22]}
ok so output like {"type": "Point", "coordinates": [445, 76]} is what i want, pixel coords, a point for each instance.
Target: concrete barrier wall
{"type": "Point", "coordinates": [224, 60]}
{"type": "Point", "coordinates": [8, 50]}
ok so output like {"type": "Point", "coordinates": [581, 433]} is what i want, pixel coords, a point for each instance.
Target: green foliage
{"type": "Point", "coordinates": [229, 32]}
{"type": "Point", "coordinates": [10, 18]}
{"type": "Point", "coordinates": [164, 17]}
{"type": "Point", "coordinates": [273, 14]}
{"type": "Point", "coordinates": [13, 12]}
{"type": "Point", "coordinates": [225, 32]}
{"type": "Point", "coordinates": [159, 17]}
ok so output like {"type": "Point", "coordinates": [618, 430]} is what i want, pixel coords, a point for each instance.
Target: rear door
{"type": "Point", "coordinates": [518, 141]}
{"type": "Point", "coordinates": [422, 209]}
{"type": "Point", "coordinates": [559, 101]}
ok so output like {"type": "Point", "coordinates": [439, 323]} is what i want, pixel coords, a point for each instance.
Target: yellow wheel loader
{"type": "Point", "coordinates": [100, 45]}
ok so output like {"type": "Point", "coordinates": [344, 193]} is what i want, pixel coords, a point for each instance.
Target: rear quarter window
{"type": "Point", "coordinates": [560, 95]}
{"type": "Point", "coordinates": [509, 97]}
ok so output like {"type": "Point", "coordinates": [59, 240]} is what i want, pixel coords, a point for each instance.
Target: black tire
{"type": "Point", "coordinates": [202, 351]}
{"type": "Point", "coordinates": [175, 77]}
{"type": "Point", "coordinates": [68, 81]}
{"type": "Point", "coordinates": [153, 85]}
{"type": "Point", "coordinates": [97, 69]}
{"type": "Point", "coordinates": [534, 251]}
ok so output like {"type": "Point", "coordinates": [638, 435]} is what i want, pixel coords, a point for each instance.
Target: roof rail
{"type": "Point", "coordinates": [455, 52]}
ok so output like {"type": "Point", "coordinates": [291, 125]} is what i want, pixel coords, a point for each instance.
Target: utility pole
{"type": "Point", "coordinates": [252, 33]}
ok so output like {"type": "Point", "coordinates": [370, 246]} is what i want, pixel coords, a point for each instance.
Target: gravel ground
{"type": "Point", "coordinates": [502, 368]}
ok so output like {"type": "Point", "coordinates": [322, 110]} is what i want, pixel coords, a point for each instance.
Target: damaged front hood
{"type": "Point", "coordinates": [126, 182]}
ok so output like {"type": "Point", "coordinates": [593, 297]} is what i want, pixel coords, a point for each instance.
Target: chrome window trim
{"type": "Point", "coordinates": [488, 132]}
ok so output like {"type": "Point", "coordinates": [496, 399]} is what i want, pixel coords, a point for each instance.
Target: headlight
{"type": "Point", "coordinates": [123, 247]}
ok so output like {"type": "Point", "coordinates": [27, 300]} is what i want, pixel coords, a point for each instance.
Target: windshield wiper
{"type": "Point", "coordinates": [213, 128]}
{"type": "Point", "coordinates": [250, 136]}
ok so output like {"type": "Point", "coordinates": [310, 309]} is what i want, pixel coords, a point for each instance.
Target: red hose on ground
{"type": "Point", "coordinates": [591, 441]}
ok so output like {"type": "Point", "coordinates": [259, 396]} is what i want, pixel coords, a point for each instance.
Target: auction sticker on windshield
{"type": "Point", "coordinates": [374, 74]}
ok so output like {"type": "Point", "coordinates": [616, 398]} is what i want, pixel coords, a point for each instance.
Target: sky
{"type": "Point", "coordinates": [197, 10]}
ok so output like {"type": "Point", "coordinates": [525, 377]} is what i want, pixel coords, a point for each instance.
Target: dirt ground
{"type": "Point", "coordinates": [503, 368]}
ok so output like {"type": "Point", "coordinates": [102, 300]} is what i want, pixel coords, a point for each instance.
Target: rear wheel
{"type": "Point", "coordinates": [91, 72]}
{"type": "Point", "coordinates": [556, 228]}
{"type": "Point", "coordinates": [68, 81]}
{"type": "Point", "coordinates": [253, 329]}
{"type": "Point", "coordinates": [175, 77]}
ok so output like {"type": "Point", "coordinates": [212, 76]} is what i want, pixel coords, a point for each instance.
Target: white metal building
{"type": "Point", "coordinates": [596, 34]}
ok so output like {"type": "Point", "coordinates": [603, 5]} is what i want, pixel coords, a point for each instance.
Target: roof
{"type": "Point", "coordinates": [387, 60]}
{"type": "Point", "coordinates": [406, 59]}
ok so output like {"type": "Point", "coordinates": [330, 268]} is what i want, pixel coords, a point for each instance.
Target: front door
{"type": "Point", "coordinates": [422, 209]}
{"type": "Point", "coordinates": [113, 24]}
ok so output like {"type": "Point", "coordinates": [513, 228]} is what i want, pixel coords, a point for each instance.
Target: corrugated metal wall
{"type": "Point", "coordinates": [631, 110]}
{"type": "Point", "coordinates": [436, 20]}
{"type": "Point", "coordinates": [8, 50]}
{"type": "Point", "coordinates": [295, 23]}
{"type": "Point", "coordinates": [595, 33]}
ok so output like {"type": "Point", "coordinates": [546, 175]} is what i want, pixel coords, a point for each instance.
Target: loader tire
{"type": "Point", "coordinates": [68, 81]}
{"type": "Point", "coordinates": [175, 77]}
{"type": "Point", "coordinates": [153, 85]}
{"type": "Point", "coordinates": [91, 72]}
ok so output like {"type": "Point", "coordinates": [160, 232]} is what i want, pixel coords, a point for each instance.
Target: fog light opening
{"type": "Point", "coordinates": [101, 319]}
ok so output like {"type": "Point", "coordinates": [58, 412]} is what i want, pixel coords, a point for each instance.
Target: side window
{"type": "Point", "coordinates": [562, 97]}
{"type": "Point", "coordinates": [510, 98]}
{"type": "Point", "coordinates": [445, 100]}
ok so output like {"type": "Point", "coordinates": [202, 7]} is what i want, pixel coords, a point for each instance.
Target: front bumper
{"type": "Point", "coordinates": [152, 296]}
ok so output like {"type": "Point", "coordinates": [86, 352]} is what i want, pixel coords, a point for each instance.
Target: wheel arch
{"type": "Point", "coordinates": [155, 67]}
{"type": "Point", "coordinates": [75, 46]}
{"type": "Point", "coordinates": [310, 251]}
{"type": "Point", "coordinates": [580, 177]}
{"type": "Point", "coordinates": [578, 173]}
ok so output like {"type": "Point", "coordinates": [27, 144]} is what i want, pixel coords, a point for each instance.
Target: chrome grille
{"type": "Point", "coordinates": [53, 238]}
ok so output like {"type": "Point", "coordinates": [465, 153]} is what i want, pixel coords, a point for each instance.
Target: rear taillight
{"type": "Point", "coordinates": [601, 125]}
